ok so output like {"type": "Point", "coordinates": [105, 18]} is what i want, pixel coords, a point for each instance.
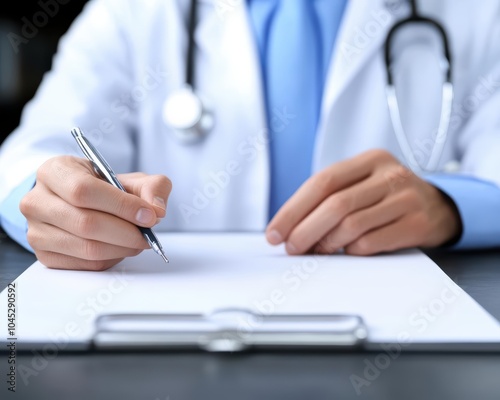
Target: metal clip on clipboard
{"type": "Point", "coordinates": [228, 330]}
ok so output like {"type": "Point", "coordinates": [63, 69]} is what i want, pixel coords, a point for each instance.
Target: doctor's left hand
{"type": "Point", "coordinates": [365, 205]}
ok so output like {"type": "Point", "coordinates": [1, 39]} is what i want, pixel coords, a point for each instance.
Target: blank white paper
{"type": "Point", "coordinates": [402, 297]}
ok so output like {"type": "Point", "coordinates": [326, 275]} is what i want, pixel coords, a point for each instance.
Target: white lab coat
{"type": "Point", "coordinates": [121, 58]}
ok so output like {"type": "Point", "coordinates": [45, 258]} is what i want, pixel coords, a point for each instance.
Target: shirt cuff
{"type": "Point", "coordinates": [12, 220]}
{"type": "Point", "coordinates": [478, 203]}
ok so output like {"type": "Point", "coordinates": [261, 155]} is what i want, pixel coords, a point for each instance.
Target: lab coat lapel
{"type": "Point", "coordinates": [361, 35]}
{"type": "Point", "coordinates": [225, 32]}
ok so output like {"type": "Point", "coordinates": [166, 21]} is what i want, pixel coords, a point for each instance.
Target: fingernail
{"type": "Point", "coordinates": [290, 248]}
{"type": "Point", "coordinates": [159, 202]}
{"type": "Point", "coordinates": [144, 216]}
{"type": "Point", "coordinates": [274, 237]}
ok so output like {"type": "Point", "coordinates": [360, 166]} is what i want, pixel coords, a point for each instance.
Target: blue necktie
{"type": "Point", "coordinates": [293, 69]}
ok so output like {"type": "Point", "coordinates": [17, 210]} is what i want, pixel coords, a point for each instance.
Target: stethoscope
{"type": "Point", "coordinates": [191, 120]}
{"type": "Point", "coordinates": [184, 110]}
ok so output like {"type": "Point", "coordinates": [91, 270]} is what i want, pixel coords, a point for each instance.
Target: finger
{"type": "Point", "coordinates": [155, 189]}
{"type": "Point", "coordinates": [132, 175]}
{"type": "Point", "coordinates": [315, 190]}
{"type": "Point", "coordinates": [79, 187]}
{"type": "Point", "coordinates": [332, 211]}
{"type": "Point", "coordinates": [395, 236]}
{"type": "Point", "coordinates": [44, 237]}
{"type": "Point", "coordinates": [61, 261]}
{"type": "Point", "coordinates": [84, 223]}
{"type": "Point", "coordinates": [357, 224]}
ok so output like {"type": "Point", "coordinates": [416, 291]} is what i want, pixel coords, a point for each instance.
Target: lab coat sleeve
{"type": "Point", "coordinates": [476, 188]}
{"type": "Point", "coordinates": [91, 73]}
{"type": "Point", "coordinates": [474, 120]}
{"type": "Point", "coordinates": [478, 203]}
{"type": "Point", "coordinates": [475, 124]}
{"type": "Point", "coordinates": [12, 220]}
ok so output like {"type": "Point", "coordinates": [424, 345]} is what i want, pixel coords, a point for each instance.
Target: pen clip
{"type": "Point", "coordinates": [97, 170]}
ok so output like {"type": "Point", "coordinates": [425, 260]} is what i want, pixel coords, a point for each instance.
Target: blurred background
{"type": "Point", "coordinates": [30, 31]}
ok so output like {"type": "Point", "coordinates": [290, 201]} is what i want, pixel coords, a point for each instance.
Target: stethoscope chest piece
{"type": "Point", "coordinates": [185, 114]}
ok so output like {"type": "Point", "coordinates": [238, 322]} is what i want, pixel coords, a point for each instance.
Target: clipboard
{"type": "Point", "coordinates": [346, 302]}
{"type": "Point", "coordinates": [228, 330]}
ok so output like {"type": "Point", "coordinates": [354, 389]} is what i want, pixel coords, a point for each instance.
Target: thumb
{"type": "Point", "coordinates": [155, 189]}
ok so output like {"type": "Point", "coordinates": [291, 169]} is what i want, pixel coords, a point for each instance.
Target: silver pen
{"type": "Point", "coordinates": [103, 169]}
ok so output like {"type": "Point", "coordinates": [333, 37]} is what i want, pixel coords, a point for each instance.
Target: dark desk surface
{"type": "Point", "coordinates": [160, 376]}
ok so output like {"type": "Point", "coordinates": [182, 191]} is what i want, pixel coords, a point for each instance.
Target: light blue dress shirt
{"type": "Point", "coordinates": [477, 201]}
{"type": "Point", "coordinates": [11, 219]}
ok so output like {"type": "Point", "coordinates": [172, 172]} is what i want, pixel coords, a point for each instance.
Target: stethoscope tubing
{"type": "Point", "coordinates": [447, 93]}
{"type": "Point", "coordinates": [198, 128]}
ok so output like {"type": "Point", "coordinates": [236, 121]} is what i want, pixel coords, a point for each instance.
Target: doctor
{"type": "Point", "coordinates": [302, 143]}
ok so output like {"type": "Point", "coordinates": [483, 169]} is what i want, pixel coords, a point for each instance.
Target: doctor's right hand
{"type": "Point", "coordinates": [78, 221]}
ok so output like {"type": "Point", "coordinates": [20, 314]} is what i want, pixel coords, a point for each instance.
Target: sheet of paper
{"type": "Point", "coordinates": [402, 297]}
